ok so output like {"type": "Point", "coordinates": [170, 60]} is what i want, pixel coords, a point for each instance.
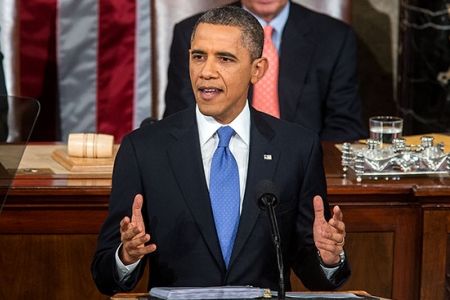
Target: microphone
{"type": "Point", "coordinates": [268, 199]}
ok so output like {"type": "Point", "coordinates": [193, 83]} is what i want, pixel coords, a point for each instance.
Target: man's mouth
{"type": "Point", "coordinates": [209, 92]}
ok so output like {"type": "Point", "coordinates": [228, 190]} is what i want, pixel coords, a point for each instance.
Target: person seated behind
{"type": "Point", "coordinates": [316, 83]}
{"type": "Point", "coordinates": [3, 103]}
{"type": "Point", "coordinates": [193, 178]}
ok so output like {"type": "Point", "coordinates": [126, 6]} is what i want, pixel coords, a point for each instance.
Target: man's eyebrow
{"type": "Point", "coordinates": [226, 54]}
{"type": "Point", "coordinates": [195, 51]}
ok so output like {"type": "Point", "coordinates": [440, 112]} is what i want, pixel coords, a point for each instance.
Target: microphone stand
{"type": "Point", "coordinates": [276, 241]}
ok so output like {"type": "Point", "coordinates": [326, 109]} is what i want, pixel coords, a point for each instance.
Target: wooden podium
{"type": "Point", "coordinates": [397, 241]}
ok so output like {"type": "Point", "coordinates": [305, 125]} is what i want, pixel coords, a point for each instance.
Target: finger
{"type": "Point", "coordinates": [138, 253]}
{"type": "Point", "coordinates": [338, 225]}
{"type": "Point", "coordinates": [136, 216]}
{"type": "Point", "coordinates": [131, 233]}
{"type": "Point", "coordinates": [326, 242]}
{"type": "Point", "coordinates": [131, 247]}
{"type": "Point", "coordinates": [331, 248]}
{"type": "Point", "coordinates": [124, 224]}
{"type": "Point", "coordinates": [318, 208]}
{"type": "Point", "coordinates": [337, 213]}
{"type": "Point", "coordinates": [137, 242]}
{"type": "Point", "coordinates": [331, 235]}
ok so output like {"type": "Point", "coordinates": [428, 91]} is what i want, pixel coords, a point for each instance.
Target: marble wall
{"type": "Point", "coordinates": [424, 65]}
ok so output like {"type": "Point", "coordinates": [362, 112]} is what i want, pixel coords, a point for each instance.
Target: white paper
{"type": "Point", "coordinates": [219, 292]}
{"type": "Point", "coordinates": [323, 295]}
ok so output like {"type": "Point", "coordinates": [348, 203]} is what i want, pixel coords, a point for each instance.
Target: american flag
{"type": "Point", "coordinates": [88, 62]}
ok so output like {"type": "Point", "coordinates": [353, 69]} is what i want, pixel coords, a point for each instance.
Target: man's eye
{"type": "Point", "coordinates": [226, 59]}
{"type": "Point", "coordinates": [197, 56]}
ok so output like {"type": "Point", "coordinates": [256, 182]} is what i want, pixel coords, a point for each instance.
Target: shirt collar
{"type": "Point", "coordinates": [207, 126]}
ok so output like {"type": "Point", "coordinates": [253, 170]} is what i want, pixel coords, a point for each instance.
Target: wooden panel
{"type": "Point", "coordinates": [371, 261]}
{"type": "Point", "coordinates": [403, 223]}
{"type": "Point", "coordinates": [49, 267]}
{"type": "Point", "coordinates": [435, 257]}
{"type": "Point", "coordinates": [382, 247]}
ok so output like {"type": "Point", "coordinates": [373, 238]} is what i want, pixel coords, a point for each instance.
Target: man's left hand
{"type": "Point", "coordinates": [329, 237]}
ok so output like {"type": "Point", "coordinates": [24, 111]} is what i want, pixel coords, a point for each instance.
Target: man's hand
{"type": "Point", "coordinates": [133, 236]}
{"type": "Point", "coordinates": [329, 237]}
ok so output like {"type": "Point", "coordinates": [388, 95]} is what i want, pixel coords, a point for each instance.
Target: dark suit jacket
{"type": "Point", "coordinates": [163, 162]}
{"type": "Point", "coordinates": [3, 104]}
{"type": "Point", "coordinates": [317, 81]}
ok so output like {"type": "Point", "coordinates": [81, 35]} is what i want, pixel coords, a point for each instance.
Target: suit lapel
{"type": "Point", "coordinates": [263, 159]}
{"type": "Point", "coordinates": [186, 163]}
{"type": "Point", "coordinates": [296, 51]}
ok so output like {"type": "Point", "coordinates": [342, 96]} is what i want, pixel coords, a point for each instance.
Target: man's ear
{"type": "Point", "coordinates": [259, 68]}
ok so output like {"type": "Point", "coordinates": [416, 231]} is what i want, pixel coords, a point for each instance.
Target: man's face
{"type": "Point", "coordinates": [266, 9]}
{"type": "Point", "coordinates": [221, 70]}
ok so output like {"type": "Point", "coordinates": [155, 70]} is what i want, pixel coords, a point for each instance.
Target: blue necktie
{"type": "Point", "coordinates": [224, 192]}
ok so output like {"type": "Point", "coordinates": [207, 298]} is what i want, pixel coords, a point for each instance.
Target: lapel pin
{"type": "Point", "coordinates": [267, 156]}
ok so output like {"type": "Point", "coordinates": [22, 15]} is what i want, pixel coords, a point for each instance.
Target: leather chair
{"type": "Point", "coordinates": [166, 13]}
{"type": "Point", "coordinates": [21, 117]}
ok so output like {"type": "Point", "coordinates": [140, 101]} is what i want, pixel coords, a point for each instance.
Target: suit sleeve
{"type": "Point", "coordinates": [126, 183]}
{"type": "Point", "coordinates": [307, 264]}
{"type": "Point", "coordinates": [2, 77]}
{"type": "Point", "coordinates": [179, 93]}
{"type": "Point", "coordinates": [343, 104]}
{"type": "Point", "coordinates": [3, 104]}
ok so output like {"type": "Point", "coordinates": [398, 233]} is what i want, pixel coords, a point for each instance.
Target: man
{"type": "Point", "coordinates": [317, 84]}
{"type": "Point", "coordinates": [194, 216]}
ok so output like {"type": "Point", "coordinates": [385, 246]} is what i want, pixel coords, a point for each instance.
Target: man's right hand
{"type": "Point", "coordinates": [133, 236]}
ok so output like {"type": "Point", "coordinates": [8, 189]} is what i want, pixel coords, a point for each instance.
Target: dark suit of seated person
{"type": "Point", "coordinates": [3, 103]}
{"type": "Point", "coordinates": [317, 81]}
{"type": "Point", "coordinates": [183, 190]}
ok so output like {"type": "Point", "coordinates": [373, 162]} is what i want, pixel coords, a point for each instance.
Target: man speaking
{"type": "Point", "coordinates": [183, 194]}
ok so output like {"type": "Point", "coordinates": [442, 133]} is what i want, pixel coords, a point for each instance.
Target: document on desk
{"type": "Point", "coordinates": [218, 292]}
{"type": "Point", "coordinates": [319, 295]}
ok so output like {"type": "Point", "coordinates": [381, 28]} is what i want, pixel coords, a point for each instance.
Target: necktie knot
{"type": "Point", "coordinates": [268, 33]}
{"type": "Point", "coordinates": [225, 133]}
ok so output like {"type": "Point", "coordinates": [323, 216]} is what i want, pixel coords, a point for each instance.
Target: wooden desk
{"type": "Point", "coordinates": [397, 232]}
{"type": "Point", "coordinates": [145, 296]}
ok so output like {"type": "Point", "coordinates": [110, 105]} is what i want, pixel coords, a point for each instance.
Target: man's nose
{"type": "Point", "coordinates": [209, 69]}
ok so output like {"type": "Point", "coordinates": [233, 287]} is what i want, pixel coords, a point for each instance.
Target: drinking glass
{"type": "Point", "coordinates": [385, 128]}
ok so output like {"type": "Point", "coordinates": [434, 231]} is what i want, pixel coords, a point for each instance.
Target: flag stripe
{"type": "Point", "coordinates": [77, 65]}
{"type": "Point", "coordinates": [142, 95]}
{"type": "Point", "coordinates": [8, 44]}
{"type": "Point", "coordinates": [115, 70]}
{"type": "Point", "coordinates": [38, 74]}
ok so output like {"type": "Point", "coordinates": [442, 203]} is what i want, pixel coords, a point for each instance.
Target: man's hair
{"type": "Point", "coordinates": [252, 32]}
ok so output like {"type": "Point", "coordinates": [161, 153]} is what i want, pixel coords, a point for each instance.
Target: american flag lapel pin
{"type": "Point", "coordinates": [267, 156]}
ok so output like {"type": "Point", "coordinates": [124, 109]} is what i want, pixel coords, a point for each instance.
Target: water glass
{"type": "Point", "coordinates": [385, 128]}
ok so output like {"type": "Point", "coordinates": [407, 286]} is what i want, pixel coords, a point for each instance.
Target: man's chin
{"type": "Point", "coordinates": [206, 110]}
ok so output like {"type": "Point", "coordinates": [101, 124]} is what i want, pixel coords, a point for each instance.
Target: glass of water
{"type": "Point", "coordinates": [385, 128]}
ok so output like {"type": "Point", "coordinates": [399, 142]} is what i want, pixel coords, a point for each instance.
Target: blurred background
{"type": "Point", "coordinates": [101, 66]}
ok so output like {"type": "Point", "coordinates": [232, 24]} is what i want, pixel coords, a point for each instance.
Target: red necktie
{"type": "Point", "coordinates": [265, 91]}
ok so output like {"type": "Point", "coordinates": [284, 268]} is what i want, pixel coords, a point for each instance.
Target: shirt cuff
{"type": "Point", "coordinates": [124, 271]}
{"type": "Point", "coordinates": [329, 271]}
